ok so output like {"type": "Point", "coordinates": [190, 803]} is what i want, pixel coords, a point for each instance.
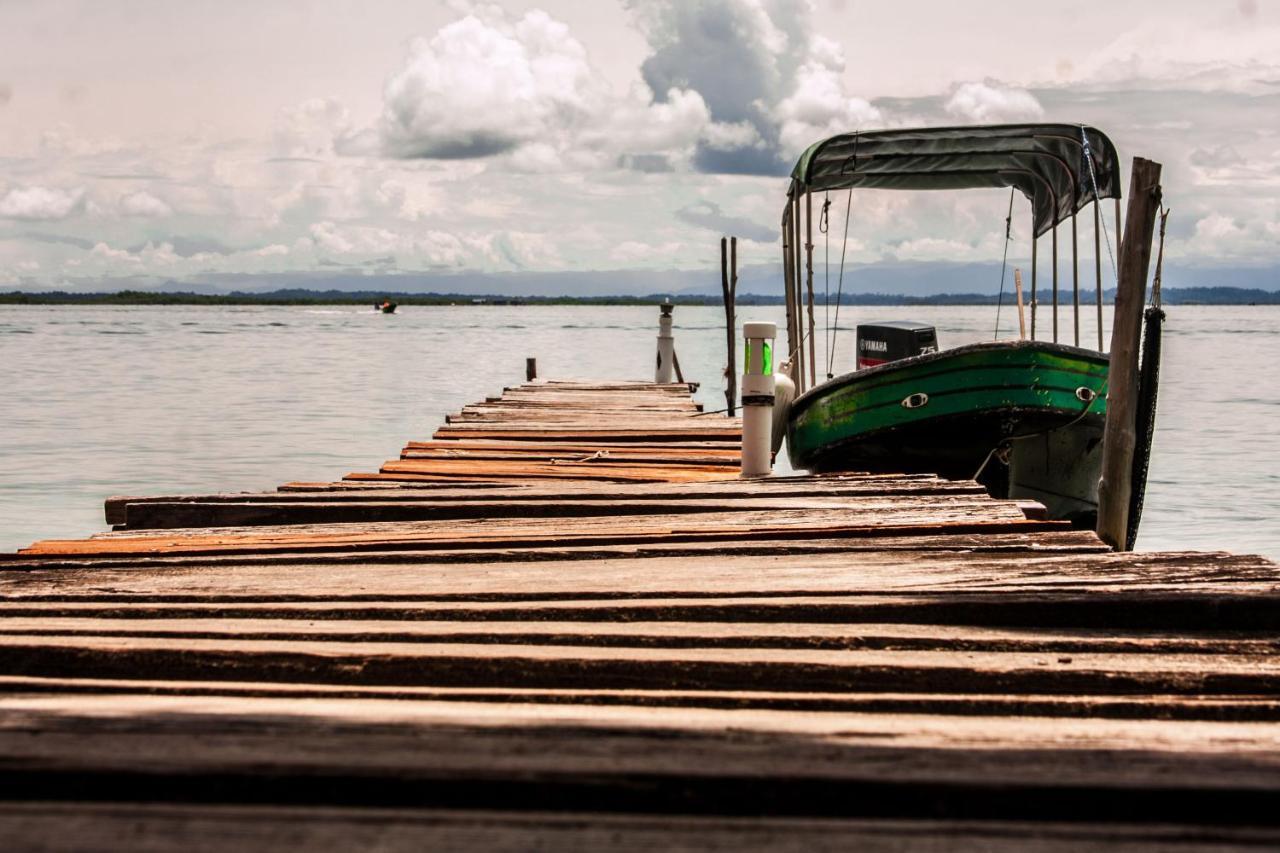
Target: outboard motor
{"type": "Point", "coordinates": [879, 343]}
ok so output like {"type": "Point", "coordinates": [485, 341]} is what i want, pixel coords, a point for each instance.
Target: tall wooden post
{"type": "Point", "coordinates": [1120, 438]}
{"type": "Point", "coordinates": [728, 286]}
{"type": "Point", "coordinates": [530, 369]}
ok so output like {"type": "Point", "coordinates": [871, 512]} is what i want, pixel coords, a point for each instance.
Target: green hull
{"type": "Point", "coordinates": [946, 412]}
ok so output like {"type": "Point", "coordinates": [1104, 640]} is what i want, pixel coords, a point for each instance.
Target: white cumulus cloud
{"type": "Point", "coordinates": [483, 87]}
{"type": "Point", "coordinates": [37, 202]}
{"type": "Point", "coordinates": [819, 107]}
{"type": "Point", "coordinates": [143, 203]}
{"type": "Point", "coordinates": [990, 102]}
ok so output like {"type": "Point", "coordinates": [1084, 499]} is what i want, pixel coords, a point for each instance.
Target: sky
{"type": "Point", "coordinates": [149, 142]}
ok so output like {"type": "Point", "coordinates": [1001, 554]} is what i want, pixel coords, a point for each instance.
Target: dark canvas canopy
{"type": "Point", "coordinates": [1046, 162]}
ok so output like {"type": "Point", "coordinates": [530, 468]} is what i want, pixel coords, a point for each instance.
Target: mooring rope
{"type": "Point", "coordinates": [1008, 233]}
{"type": "Point", "coordinates": [1093, 179]}
{"type": "Point", "coordinates": [844, 248]}
{"type": "Point", "coordinates": [824, 226]}
{"type": "Point", "coordinates": [1148, 394]}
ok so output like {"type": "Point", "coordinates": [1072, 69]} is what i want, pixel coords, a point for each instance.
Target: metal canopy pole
{"type": "Point", "coordinates": [808, 254]}
{"type": "Point", "coordinates": [1075, 280]}
{"type": "Point", "coordinates": [1097, 263]}
{"type": "Point", "coordinates": [1035, 241]}
{"type": "Point", "coordinates": [788, 282]}
{"type": "Point", "coordinates": [1055, 282]}
{"type": "Point", "coordinates": [797, 354]}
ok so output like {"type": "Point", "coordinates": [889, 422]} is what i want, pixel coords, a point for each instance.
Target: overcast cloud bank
{"type": "Point", "coordinates": [497, 143]}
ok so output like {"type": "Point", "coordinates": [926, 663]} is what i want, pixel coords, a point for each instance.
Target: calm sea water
{"type": "Point", "coordinates": [100, 401]}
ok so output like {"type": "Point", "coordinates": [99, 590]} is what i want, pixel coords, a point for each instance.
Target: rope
{"type": "Point", "coordinates": [1008, 233]}
{"type": "Point", "coordinates": [844, 247]}
{"type": "Point", "coordinates": [1148, 395]}
{"type": "Point", "coordinates": [1093, 179]}
{"type": "Point", "coordinates": [1155, 282]}
{"type": "Point", "coordinates": [824, 223]}
{"type": "Point", "coordinates": [1100, 395]}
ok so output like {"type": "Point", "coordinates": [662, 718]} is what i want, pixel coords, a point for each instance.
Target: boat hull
{"type": "Point", "coordinates": [1025, 417]}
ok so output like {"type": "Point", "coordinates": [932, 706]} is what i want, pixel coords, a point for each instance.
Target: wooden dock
{"type": "Point", "coordinates": [564, 622]}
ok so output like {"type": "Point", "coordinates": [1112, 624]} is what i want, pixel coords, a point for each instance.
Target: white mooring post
{"type": "Point", "coordinates": [757, 399]}
{"type": "Point", "coordinates": [666, 346]}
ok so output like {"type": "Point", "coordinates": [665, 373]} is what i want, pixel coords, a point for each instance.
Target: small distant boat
{"type": "Point", "coordinates": [385, 306]}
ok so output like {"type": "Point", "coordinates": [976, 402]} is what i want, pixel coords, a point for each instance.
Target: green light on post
{"type": "Point", "coordinates": [766, 365]}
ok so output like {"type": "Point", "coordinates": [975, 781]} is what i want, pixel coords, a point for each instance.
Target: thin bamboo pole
{"type": "Point", "coordinates": [1097, 263]}
{"type": "Point", "coordinates": [808, 253]}
{"type": "Point", "coordinates": [1075, 282]}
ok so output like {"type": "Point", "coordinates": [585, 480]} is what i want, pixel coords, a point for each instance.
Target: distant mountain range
{"type": "Point", "coordinates": [889, 282]}
{"type": "Point", "coordinates": [299, 296]}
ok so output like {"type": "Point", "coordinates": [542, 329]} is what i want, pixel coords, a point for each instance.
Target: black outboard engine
{"type": "Point", "coordinates": [879, 343]}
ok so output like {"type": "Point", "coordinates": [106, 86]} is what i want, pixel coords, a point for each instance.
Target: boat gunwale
{"type": "Point", "coordinates": [818, 391]}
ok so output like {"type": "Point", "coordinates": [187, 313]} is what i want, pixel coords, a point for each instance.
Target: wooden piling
{"type": "Point", "coordinates": [530, 369]}
{"type": "Point", "coordinates": [729, 289]}
{"type": "Point", "coordinates": [1115, 488]}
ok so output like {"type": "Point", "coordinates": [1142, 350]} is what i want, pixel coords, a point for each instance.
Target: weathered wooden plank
{"type": "Point", "coordinates": [497, 664]}
{"type": "Point", "coordinates": [205, 827]}
{"type": "Point", "coordinates": [729, 491]}
{"type": "Point", "coordinates": [886, 517]}
{"type": "Point", "coordinates": [771, 482]}
{"type": "Point", "coordinates": [652, 760]}
{"type": "Point", "coordinates": [729, 459]}
{"type": "Point", "coordinates": [1228, 647]}
{"type": "Point", "coordinates": [782, 511]}
{"type": "Point", "coordinates": [191, 514]}
{"type": "Point", "coordinates": [538, 453]}
{"type": "Point", "coordinates": [1207, 610]}
{"type": "Point", "coordinates": [1134, 707]}
{"type": "Point", "coordinates": [611, 432]}
{"type": "Point", "coordinates": [599, 468]}
{"type": "Point", "coordinates": [1026, 544]}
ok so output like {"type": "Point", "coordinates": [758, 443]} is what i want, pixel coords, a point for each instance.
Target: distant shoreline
{"type": "Point", "coordinates": [1172, 296]}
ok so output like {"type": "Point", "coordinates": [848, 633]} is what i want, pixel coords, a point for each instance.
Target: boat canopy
{"type": "Point", "coordinates": [1046, 162]}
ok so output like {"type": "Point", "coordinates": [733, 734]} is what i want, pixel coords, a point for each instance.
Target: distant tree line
{"type": "Point", "coordinates": [1172, 296]}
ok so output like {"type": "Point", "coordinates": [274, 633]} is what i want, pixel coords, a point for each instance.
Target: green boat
{"type": "Point", "coordinates": [1025, 417]}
